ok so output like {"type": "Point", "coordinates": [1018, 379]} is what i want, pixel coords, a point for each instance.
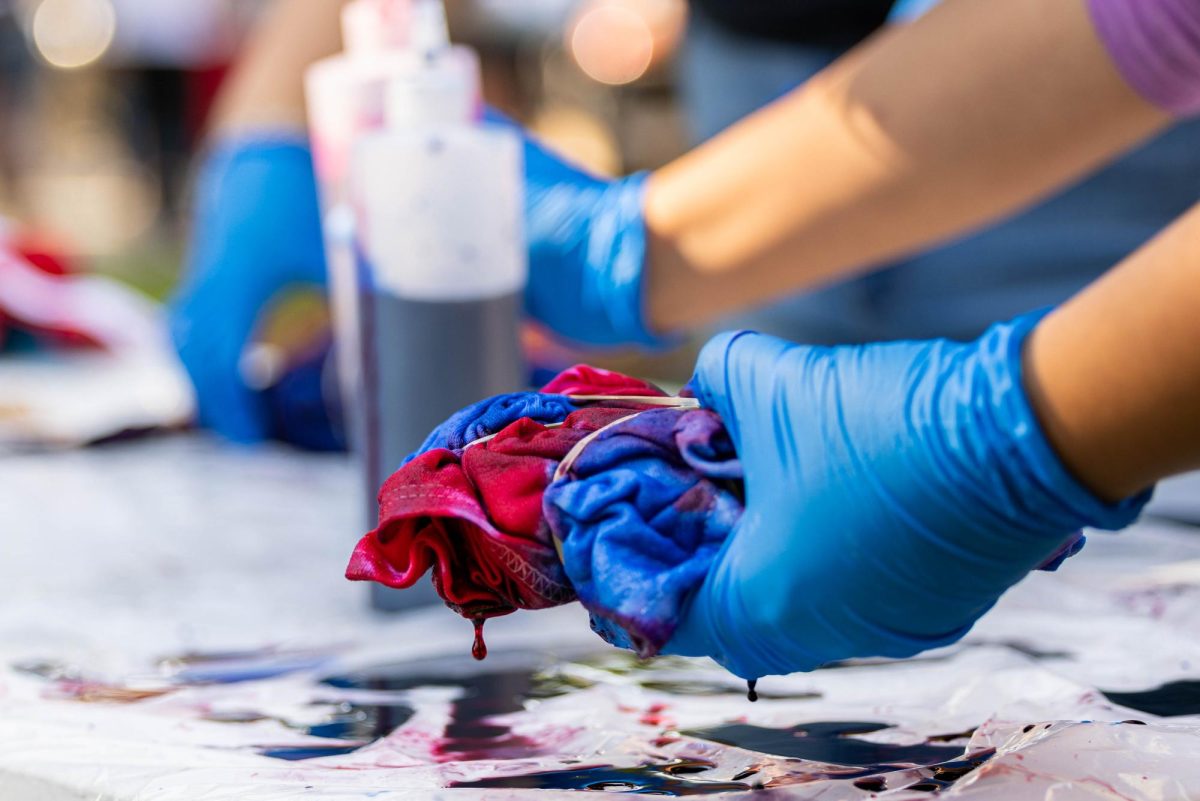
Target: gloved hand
{"type": "Point", "coordinates": [256, 230]}
{"type": "Point", "coordinates": [587, 249]}
{"type": "Point", "coordinates": [894, 492]}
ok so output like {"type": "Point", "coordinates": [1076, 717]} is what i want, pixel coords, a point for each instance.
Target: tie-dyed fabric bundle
{"type": "Point", "coordinates": [638, 514]}
{"type": "Point", "coordinates": [536, 499]}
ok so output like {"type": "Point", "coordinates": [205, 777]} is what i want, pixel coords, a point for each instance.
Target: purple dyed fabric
{"type": "Point", "coordinates": [641, 515]}
{"type": "Point", "coordinates": [1156, 47]}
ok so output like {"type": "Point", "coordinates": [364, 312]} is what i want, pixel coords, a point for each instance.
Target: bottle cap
{"type": "Point", "coordinates": [373, 25]}
{"type": "Point", "coordinates": [444, 90]}
{"type": "Point", "coordinates": [430, 34]}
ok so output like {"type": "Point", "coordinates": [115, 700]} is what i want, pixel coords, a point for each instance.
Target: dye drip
{"type": "Point", "coordinates": [752, 690]}
{"type": "Point", "coordinates": [479, 647]}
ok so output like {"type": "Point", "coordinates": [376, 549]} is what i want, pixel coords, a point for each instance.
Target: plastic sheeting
{"type": "Point", "coordinates": [188, 636]}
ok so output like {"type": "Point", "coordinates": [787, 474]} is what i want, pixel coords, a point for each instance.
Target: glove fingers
{"type": "Point", "coordinates": [210, 336]}
{"type": "Point", "coordinates": [730, 619]}
{"type": "Point", "coordinates": [736, 376]}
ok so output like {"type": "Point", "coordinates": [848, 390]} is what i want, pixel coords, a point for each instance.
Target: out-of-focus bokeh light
{"type": "Point", "coordinates": [70, 34]}
{"type": "Point", "coordinates": [616, 41]}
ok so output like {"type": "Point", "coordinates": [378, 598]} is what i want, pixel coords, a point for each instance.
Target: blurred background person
{"type": "Point", "coordinates": [741, 54]}
{"type": "Point", "coordinates": [107, 102]}
{"type": "Point", "coordinates": [734, 58]}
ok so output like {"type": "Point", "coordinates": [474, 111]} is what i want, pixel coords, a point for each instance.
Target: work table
{"type": "Point", "coordinates": [175, 625]}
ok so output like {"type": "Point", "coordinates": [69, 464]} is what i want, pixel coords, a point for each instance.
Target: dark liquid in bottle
{"type": "Point", "coordinates": [423, 361]}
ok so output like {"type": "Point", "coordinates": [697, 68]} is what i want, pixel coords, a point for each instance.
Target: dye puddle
{"type": "Point", "coordinates": [682, 778]}
{"type": "Point", "coordinates": [471, 733]}
{"type": "Point", "coordinates": [868, 764]}
{"type": "Point", "coordinates": [1168, 701]}
{"type": "Point", "coordinates": [833, 742]}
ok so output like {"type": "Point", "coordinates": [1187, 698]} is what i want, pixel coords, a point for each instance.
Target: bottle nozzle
{"type": "Point", "coordinates": [430, 33]}
{"type": "Point", "coordinates": [369, 25]}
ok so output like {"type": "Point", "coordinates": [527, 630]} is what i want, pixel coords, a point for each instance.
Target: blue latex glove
{"type": "Point", "coordinates": [256, 230]}
{"type": "Point", "coordinates": [894, 492]}
{"type": "Point", "coordinates": [587, 249]}
{"type": "Point", "coordinates": [908, 10]}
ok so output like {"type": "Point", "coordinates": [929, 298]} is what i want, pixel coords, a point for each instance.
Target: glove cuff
{"type": "Point", "coordinates": [616, 258]}
{"type": "Point", "coordinates": [235, 144]}
{"type": "Point", "coordinates": [1040, 487]}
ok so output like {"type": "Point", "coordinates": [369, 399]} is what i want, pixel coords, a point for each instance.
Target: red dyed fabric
{"type": "Point", "coordinates": [473, 517]}
{"type": "Point", "coordinates": [584, 379]}
{"type": "Point", "coordinates": [36, 297]}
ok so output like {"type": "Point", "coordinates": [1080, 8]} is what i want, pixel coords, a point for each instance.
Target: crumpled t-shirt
{"type": "Point", "coordinates": [475, 515]}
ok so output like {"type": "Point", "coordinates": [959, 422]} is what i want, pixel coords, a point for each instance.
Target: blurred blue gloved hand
{"type": "Point", "coordinates": [894, 492]}
{"type": "Point", "coordinates": [587, 249]}
{"type": "Point", "coordinates": [256, 230]}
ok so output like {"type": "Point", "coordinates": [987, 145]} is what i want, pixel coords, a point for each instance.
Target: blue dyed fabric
{"type": "Point", "coordinates": [491, 415]}
{"type": "Point", "coordinates": [640, 516]}
{"type": "Point", "coordinates": [304, 407]}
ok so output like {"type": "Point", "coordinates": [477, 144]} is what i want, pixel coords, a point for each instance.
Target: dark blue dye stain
{"type": "Point", "coordinates": [662, 779]}
{"type": "Point", "coordinates": [947, 773]}
{"type": "Point", "coordinates": [470, 734]}
{"type": "Point", "coordinates": [308, 752]}
{"type": "Point", "coordinates": [1168, 701]}
{"type": "Point", "coordinates": [833, 743]}
{"type": "Point", "coordinates": [368, 722]}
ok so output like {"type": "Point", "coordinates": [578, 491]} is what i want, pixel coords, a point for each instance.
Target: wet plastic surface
{"type": "Point", "coordinates": [179, 629]}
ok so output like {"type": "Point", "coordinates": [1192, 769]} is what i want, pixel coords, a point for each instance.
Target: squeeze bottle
{"type": "Point", "coordinates": [438, 237]}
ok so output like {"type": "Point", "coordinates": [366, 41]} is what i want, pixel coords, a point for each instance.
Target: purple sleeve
{"type": "Point", "coordinates": [1156, 47]}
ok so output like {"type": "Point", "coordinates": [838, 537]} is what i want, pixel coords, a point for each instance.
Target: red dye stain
{"type": "Point", "coordinates": [479, 648]}
{"type": "Point", "coordinates": [654, 715]}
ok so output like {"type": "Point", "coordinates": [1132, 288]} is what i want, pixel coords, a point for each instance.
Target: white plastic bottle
{"type": "Point", "coordinates": [437, 200]}
{"type": "Point", "coordinates": [345, 95]}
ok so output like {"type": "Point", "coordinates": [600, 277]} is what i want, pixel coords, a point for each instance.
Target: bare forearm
{"type": "Point", "coordinates": [1115, 373]}
{"type": "Point", "coordinates": [920, 134]}
{"type": "Point", "coordinates": [266, 90]}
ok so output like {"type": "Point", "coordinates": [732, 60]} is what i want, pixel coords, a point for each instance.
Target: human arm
{"type": "Point", "coordinates": [896, 491]}
{"type": "Point", "coordinates": [1115, 373]}
{"type": "Point", "coordinates": [923, 132]}
{"type": "Point", "coordinates": [265, 92]}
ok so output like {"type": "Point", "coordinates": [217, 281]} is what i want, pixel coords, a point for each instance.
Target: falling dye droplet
{"type": "Point", "coordinates": [752, 690]}
{"type": "Point", "coordinates": [479, 649]}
